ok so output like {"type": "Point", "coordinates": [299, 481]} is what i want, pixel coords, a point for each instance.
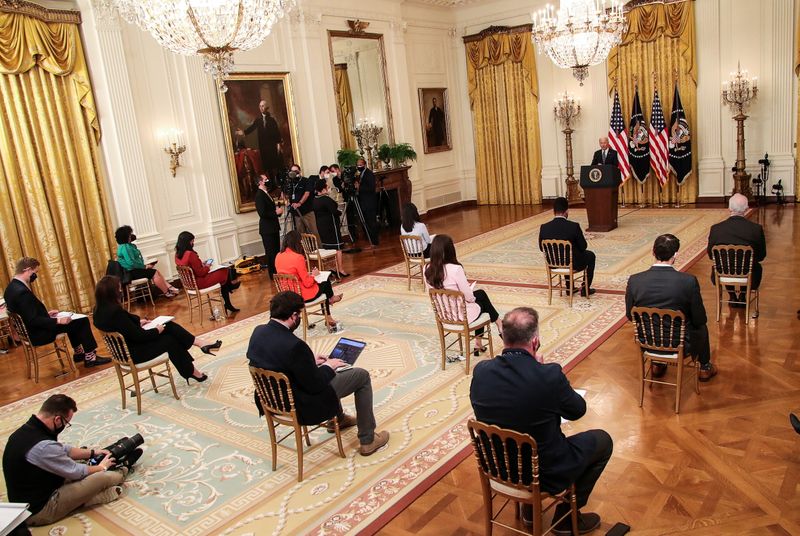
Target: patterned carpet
{"type": "Point", "coordinates": [511, 254]}
{"type": "Point", "coordinates": [206, 467]}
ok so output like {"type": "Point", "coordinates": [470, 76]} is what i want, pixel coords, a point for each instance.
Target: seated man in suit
{"type": "Point", "coordinates": [518, 391]}
{"type": "Point", "coordinates": [664, 287]}
{"type": "Point", "coordinates": [560, 228]}
{"type": "Point", "coordinates": [605, 155]}
{"type": "Point", "coordinates": [44, 325]}
{"type": "Point", "coordinates": [739, 231]}
{"type": "Point", "coordinates": [316, 385]}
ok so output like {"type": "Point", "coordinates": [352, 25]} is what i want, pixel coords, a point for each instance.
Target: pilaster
{"type": "Point", "coordinates": [707, 134]}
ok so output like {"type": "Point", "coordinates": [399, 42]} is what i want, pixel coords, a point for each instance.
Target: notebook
{"type": "Point", "coordinates": [348, 351]}
{"type": "Point", "coordinates": [160, 321]}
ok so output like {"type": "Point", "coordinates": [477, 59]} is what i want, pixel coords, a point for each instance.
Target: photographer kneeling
{"type": "Point", "coordinates": [44, 473]}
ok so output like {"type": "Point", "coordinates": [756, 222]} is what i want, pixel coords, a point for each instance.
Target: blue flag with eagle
{"type": "Point", "coordinates": [680, 141]}
{"type": "Point", "coordinates": [639, 142]}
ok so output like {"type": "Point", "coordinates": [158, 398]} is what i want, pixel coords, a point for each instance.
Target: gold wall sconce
{"type": "Point", "coordinates": [174, 145]}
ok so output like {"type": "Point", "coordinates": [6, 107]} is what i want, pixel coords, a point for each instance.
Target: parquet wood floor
{"type": "Point", "coordinates": [728, 464]}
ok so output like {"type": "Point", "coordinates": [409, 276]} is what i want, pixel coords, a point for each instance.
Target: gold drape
{"type": "Point", "coordinates": [504, 97]}
{"type": "Point", "coordinates": [797, 138]}
{"type": "Point", "coordinates": [50, 181]}
{"type": "Point", "coordinates": [661, 40]}
{"type": "Point", "coordinates": [344, 100]}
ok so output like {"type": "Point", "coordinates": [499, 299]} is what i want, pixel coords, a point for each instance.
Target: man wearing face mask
{"type": "Point", "coordinates": [368, 199]}
{"type": "Point", "coordinates": [46, 474]}
{"type": "Point", "coordinates": [316, 385]}
{"type": "Point", "coordinates": [44, 325]}
{"type": "Point", "coordinates": [303, 202]}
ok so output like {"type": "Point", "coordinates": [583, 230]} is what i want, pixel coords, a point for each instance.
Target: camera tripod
{"type": "Point", "coordinates": [288, 220]}
{"type": "Point", "coordinates": [384, 205]}
{"type": "Point", "coordinates": [351, 200]}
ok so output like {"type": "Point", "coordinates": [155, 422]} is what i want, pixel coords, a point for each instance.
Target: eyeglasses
{"type": "Point", "coordinates": [64, 421]}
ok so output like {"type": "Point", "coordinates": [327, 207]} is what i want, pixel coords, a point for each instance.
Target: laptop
{"type": "Point", "coordinates": [348, 351]}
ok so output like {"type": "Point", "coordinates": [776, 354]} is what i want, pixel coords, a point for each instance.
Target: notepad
{"type": "Point", "coordinates": [68, 314]}
{"type": "Point", "coordinates": [581, 392]}
{"type": "Point", "coordinates": [12, 515]}
{"type": "Point", "coordinates": [160, 321]}
{"type": "Point", "coordinates": [322, 276]}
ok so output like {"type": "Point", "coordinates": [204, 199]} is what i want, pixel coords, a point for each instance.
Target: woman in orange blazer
{"type": "Point", "coordinates": [292, 261]}
{"type": "Point", "coordinates": [185, 255]}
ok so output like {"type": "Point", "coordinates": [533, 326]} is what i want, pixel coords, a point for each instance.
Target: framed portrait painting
{"type": "Point", "coordinates": [435, 117]}
{"type": "Point", "coordinates": [260, 131]}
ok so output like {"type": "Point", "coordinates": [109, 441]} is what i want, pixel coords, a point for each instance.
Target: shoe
{"type": "Point", "coordinates": [526, 514]}
{"type": "Point", "coordinates": [208, 347]}
{"type": "Point", "coordinates": [345, 421]}
{"type": "Point", "coordinates": [707, 373]}
{"type": "Point", "coordinates": [379, 440]}
{"type": "Point", "coordinates": [586, 523]}
{"type": "Point", "coordinates": [336, 298]}
{"type": "Point", "coordinates": [231, 308]}
{"type": "Point", "coordinates": [659, 370]}
{"type": "Point", "coordinates": [479, 350]}
{"type": "Point", "coordinates": [78, 358]}
{"type": "Point", "coordinates": [583, 291]}
{"type": "Point", "coordinates": [235, 286]}
{"type": "Point", "coordinates": [336, 327]}
{"type": "Point", "coordinates": [170, 294]}
{"type": "Point", "coordinates": [201, 379]}
{"type": "Point", "coordinates": [455, 358]}
{"type": "Point", "coordinates": [795, 422]}
{"type": "Point", "coordinates": [342, 275]}
{"type": "Point", "coordinates": [96, 362]}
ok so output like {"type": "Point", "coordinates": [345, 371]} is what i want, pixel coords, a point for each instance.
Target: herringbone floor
{"type": "Point", "coordinates": [728, 464]}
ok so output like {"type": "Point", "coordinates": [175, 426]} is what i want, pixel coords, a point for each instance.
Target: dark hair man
{"type": "Point", "coordinates": [518, 391]}
{"type": "Point", "coordinates": [269, 225]}
{"type": "Point", "coordinates": [302, 201]}
{"type": "Point", "coordinates": [663, 287]}
{"type": "Point", "coordinates": [44, 473]}
{"type": "Point", "coordinates": [368, 199]}
{"type": "Point", "coordinates": [44, 325]}
{"type": "Point", "coordinates": [560, 228]}
{"type": "Point", "coordinates": [316, 385]}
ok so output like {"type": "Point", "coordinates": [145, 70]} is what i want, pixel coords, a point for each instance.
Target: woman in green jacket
{"type": "Point", "coordinates": [130, 258]}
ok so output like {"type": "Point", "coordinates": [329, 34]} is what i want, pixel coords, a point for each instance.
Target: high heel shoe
{"type": "Point", "coordinates": [208, 347]}
{"type": "Point", "coordinates": [479, 350]}
{"type": "Point", "coordinates": [201, 379]}
{"type": "Point", "coordinates": [231, 308]}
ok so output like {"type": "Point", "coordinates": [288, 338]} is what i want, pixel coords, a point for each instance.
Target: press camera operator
{"type": "Point", "coordinates": [46, 474]}
{"type": "Point", "coordinates": [302, 201]}
{"type": "Point", "coordinates": [368, 199]}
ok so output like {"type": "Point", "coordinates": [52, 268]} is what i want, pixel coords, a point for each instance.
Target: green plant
{"type": "Point", "coordinates": [402, 152]}
{"type": "Point", "coordinates": [347, 157]}
{"type": "Point", "coordinates": [385, 152]}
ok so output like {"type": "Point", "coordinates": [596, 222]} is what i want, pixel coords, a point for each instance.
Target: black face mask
{"type": "Point", "coordinates": [58, 429]}
{"type": "Point", "coordinates": [295, 325]}
{"type": "Point", "coordinates": [33, 277]}
{"type": "Point", "coordinates": [133, 238]}
{"type": "Point", "coordinates": [361, 168]}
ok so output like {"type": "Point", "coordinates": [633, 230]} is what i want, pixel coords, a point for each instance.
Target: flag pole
{"type": "Point", "coordinates": [678, 194]}
{"type": "Point", "coordinates": [642, 204]}
{"type": "Point", "coordinates": [621, 190]}
{"type": "Point", "coordinates": [678, 198]}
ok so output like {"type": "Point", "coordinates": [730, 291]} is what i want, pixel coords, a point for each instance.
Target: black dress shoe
{"type": "Point", "coordinates": [96, 362]}
{"type": "Point", "coordinates": [583, 291]}
{"type": "Point", "coordinates": [659, 370]}
{"type": "Point", "coordinates": [795, 422]}
{"type": "Point", "coordinates": [78, 358]}
{"type": "Point", "coordinates": [586, 523]}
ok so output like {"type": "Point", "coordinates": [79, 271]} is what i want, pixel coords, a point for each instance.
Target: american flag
{"type": "Point", "coordinates": [618, 138]}
{"type": "Point", "coordinates": [659, 140]}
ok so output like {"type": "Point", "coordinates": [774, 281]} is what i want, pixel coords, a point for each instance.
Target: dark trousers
{"type": "Point", "coordinates": [175, 340]}
{"type": "Point", "coordinates": [595, 463]}
{"type": "Point", "coordinates": [586, 260]}
{"type": "Point", "coordinates": [697, 343]}
{"type": "Point", "coordinates": [369, 208]}
{"type": "Point", "coordinates": [272, 245]}
{"type": "Point", "coordinates": [758, 272]}
{"type": "Point", "coordinates": [482, 299]}
{"type": "Point", "coordinates": [327, 289]}
{"type": "Point", "coordinates": [357, 381]}
{"type": "Point", "coordinates": [79, 333]}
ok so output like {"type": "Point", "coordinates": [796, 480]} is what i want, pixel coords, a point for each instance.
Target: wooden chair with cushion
{"type": "Point", "coordinates": [284, 282]}
{"type": "Point", "coordinates": [197, 297]}
{"type": "Point", "coordinates": [733, 272]}
{"type": "Point", "coordinates": [325, 259]}
{"type": "Point", "coordinates": [123, 363]}
{"type": "Point", "coordinates": [34, 354]}
{"type": "Point", "coordinates": [558, 263]}
{"type": "Point", "coordinates": [660, 335]}
{"type": "Point", "coordinates": [138, 288]}
{"type": "Point", "coordinates": [508, 465]}
{"type": "Point", "coordinates": [414, 258]}
{"type": "Point", "coordinates": [450, 309]}
{"type": "Point", "coordinates": [277, 401]}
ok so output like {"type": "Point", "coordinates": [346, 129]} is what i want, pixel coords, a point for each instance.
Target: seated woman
{"type": "Point", "coordinates": [147, 344]}
{"type": "Point", "coordinates": [185, 255]}
{"type": "Point", "coordinates": [291, 261]}
{"type": "Point", "coordinates": [327, 213]}
{"type": "Point", "coordinates": [412, 226]}
{"type": "Point", "coordinates": [445, 272]}
{"type": "Point", "coordinates": [130, 258]}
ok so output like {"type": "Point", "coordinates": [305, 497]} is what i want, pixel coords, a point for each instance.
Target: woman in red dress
{"type": "Point", "coordinates": [185, 255]}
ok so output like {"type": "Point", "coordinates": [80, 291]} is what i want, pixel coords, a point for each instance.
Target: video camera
{"type": "Point", "coordinates": [120, 450]}
{"type": "Point", "coordinates": [350, 175]}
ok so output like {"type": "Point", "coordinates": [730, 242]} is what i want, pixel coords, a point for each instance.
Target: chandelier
{"type": "Point", "coordinates": [580, 34]}
{"type": "Point", "coordinates": [213, 29]}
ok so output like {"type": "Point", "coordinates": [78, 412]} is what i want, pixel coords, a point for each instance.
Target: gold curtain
{"type": "Point", "coordinates": [661, 40]}
{"type": "Point", "coordinates": [797, 138]}
{"type": "Point", "coordinates": [344, 100]}
{"type": "Point", "coordinates": [504, 97]}
{"type": "Point", "coordinates": [50, 181]}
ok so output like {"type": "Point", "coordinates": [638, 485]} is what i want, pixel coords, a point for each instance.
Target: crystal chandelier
{"type": "Point", "coordinates": [213, 29]}
{"type": "Point", "coordinates": [580, 34]}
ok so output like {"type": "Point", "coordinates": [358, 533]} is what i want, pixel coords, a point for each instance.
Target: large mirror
{"type": "Point", "coordinates": [362, 92]}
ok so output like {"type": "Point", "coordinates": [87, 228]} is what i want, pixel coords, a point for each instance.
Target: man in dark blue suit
{"type": "Point", "coordinates": [316, 385]}
{"type": "Point", "coordinates": [664, 287]}
{"type": "Point", "coordinates": [605, 155]}
{"type": "Point", "coordinates": [517, 391]}
{"type": "Point", "coordinates": [560, 228]}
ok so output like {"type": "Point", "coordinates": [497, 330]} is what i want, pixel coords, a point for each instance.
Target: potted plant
{"type": "Point", "coordinates": [347, 157]}
{"type": "Point", "coordinates": [385, 154]}
{"type": "Point", "coordinates": [402, 152]}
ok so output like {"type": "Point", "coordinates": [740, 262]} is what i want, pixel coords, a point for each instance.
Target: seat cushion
{"type": "Point", "coordinates": [733, 280]}
{"type": "Point", "coordinates": [316, 301]}
{"type": "Point", "coordinates": [482, 319]}
{"type": "Point", "coordinates": [212, 288]}
{"type": "Point", "coordinates": [160, 360]}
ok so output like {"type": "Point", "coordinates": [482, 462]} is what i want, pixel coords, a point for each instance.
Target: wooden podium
{"type": "Point", "coordinates": [601, 189]}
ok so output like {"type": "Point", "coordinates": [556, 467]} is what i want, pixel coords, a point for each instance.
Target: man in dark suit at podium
{"type": "Point", "coordinates": [560, 228]}
{"type": "Point", "coordinates": [606, 155]}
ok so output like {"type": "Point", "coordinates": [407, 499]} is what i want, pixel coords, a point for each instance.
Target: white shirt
{"type": "Point", "coordinates": [421, 230]}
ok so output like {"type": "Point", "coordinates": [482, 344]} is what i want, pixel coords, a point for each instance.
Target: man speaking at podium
{"type": "Point", "coordinates": [606, 155]}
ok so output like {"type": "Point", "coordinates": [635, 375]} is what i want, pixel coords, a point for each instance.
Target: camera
{"type": "Point", "coordinates": [765, 161]}
{"type": "Point", "coordinates": [120, 450]}
{"type": "Point", "coordinates": [349, 176]}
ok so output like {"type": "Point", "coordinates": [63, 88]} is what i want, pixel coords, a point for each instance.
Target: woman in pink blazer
{"type": "Point", "coordinates": [445, 272]}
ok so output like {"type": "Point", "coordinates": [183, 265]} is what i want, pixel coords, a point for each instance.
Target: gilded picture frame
{"type": "Point", "coordinates": [257, 142]}
{"type": "Point", "coordinates": [435, 120]}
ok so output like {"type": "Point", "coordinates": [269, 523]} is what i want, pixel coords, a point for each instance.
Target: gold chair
{"type": "Point", "coordinates": [124, 365]}
{"type": "Point", "coordinates": [284, 282]}
{"type": "Point", "coordinates": [558, 262]}
{"type": "Point", "coordinates": [450, 309]}
{"type": "Point", "coordinates": [660, 335]}
{"type": "Point", "coordinates": [138, 288]}
{"type": "Point", "coordinates": [277, 401]}
{"type": "Point", "coordinates": [195, 297]}
{"type": "Point", "coordinates": [324, 258]}
{"type": "Point", "coordinates": [733, 272]}
{"type": "Point", "coordinates": [415, 260]}
{"type": "Point", "coordinates": [504, 459]}
{"type": "Point", "coordinates": [5, 329]}
{"type": "Point", "coordinates": [34, 353]}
